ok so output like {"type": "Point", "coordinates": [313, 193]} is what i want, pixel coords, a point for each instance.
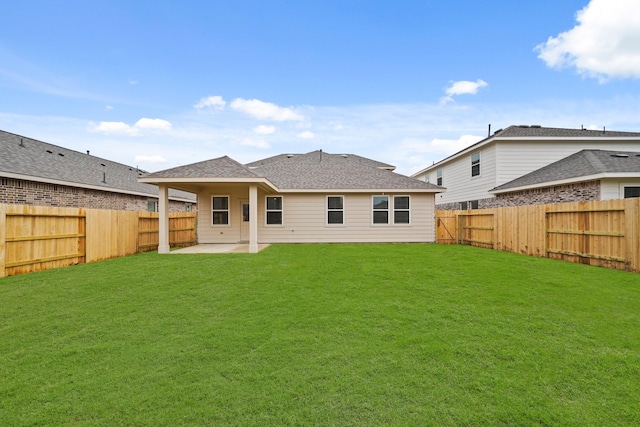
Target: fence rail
{"type": "Point", "coordinates": [34, 238]}
{"type": "Point", "coordinates": [603, 233]}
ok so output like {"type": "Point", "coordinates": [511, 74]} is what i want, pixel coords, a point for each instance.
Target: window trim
{"type": "Point", "coordinates": [374, 210]}
{"type": "Point", "coordinates": [267, 210]}
{"type": "Point", "coordinates": [440, 177]}
{"type": "Point", "coordinates": [228, 210]}
{"type": "Point", "coordinates": [328, 209]}
{"type": "Point", "coordinates": [476, 164]}
{"type": "Point", "coordinates": [408, 210]}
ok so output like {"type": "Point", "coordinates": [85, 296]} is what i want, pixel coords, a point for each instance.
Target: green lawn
{"type": "Point", "coordinates": [322, 335]}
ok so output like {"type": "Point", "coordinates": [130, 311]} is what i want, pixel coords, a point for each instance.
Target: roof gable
{"type": "Point", "coordinates": [221, 167]}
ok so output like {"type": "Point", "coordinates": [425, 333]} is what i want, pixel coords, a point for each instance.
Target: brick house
{"type": "Point", "coordinates": [37, 173]}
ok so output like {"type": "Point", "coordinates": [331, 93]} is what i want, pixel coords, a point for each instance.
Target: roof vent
{"type": "Point", "coordinates": [60, 154]}
{"type": "Point", "coordinates": [523, 126]}
{"type": "Point", "coordinates": [497, 132]}
{"type": "Point", "coordinates": [344, 155]}
{"type": "Point", "coordinates": [536, 126]}
{"type": "Point", "coordinates": [49, 151]}
{"type": "Point", "coordinates": [289, 156]}
{"type": "Point", "coordinates": [623, 155]}
{"type": "Point", "coordinates": [21, 143]}
{"type": "Point", "coordinates": [102, 164]}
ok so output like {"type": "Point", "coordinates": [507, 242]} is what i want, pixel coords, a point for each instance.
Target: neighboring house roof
{"type": "Point", "coordinates": [585, 165]}
{"type": "Point", "coordinates": [314, 171]}
{"type": "Point", "coordinates": [537, 133]}
{"type": "Point", "coordinates": [33, 160]}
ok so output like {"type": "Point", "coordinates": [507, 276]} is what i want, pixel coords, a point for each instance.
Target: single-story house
{"type": "Point", "coordinates": [33, 172]}
{"type": "Point", "coordinates": [298, 198]}
{"type": "Point", "coordinates": [585, 175]}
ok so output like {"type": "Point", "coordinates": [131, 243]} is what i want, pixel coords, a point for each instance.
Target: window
{"type": "Point", "coordinates": [152, 206]}
{"type": "Point", "coordinates": [439, 174]}
{"type": "Point", "coordinates": [630, 192]}
{"type": "Point", "coordinates": [473, 204]}
{"type": "Point", "coordinates": [475, 164]}
{"type": "Point", "coordinates": [426, 178]}
{"type": "Point", "coordinates": [381, 209]}
{"type": "Point", "coordinates": [401, 210]}
{"type": "Point", "coordinates": [463, 206]}
{"type": "Point", "coordinates": [335, 210]}
{"type": "Point", "coordinates": [274, 210]}
{"type": "Point", "coordinates": [220, 210]}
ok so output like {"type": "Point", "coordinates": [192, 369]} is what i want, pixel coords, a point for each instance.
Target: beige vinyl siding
{"type": "Point", "coordinates": [207, 232]}
{"type": "Point", "coordinates": [517, 158]}
{"type": "Point", "coordinates": [305, 221]}
{"type": "Point", "coordinates": [460, 185]}
{"type": "Point", "coordinates": [614, 188]}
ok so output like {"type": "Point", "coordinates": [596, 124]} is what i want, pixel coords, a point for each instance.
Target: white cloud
{"type": "Point", "coordinates": [133, 82]}
{"type": "Point", "coordinates": [154, 124]}
{"type": "Point", "coordinates": [150, 159]}
{"type": "Point", "coordinates": [121, 128]}
{"type": "Point", "coordinates": [438, 145]}
{"type": "Point", "coordinates": [462, 87]}
{"type": "Point", "coordinates": [265, 110]}
{"type": "Point", "coordinates": [306, 135]}
{"type": "Point", "coordinates": [113, 128]}
{"type": "Point", "coordinates": [254, 143]}
{"type": "Point", "coordinates": [108, 107]}
{"type": "Point", "coordinates": [264, 130]}
{"type": "Point", "coordinates": [215, 102]}
{"type": "Point", "coordinates": [603, 44]}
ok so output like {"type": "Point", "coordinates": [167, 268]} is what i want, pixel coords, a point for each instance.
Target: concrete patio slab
{"type": "Point", "coordinates": [218, 248]}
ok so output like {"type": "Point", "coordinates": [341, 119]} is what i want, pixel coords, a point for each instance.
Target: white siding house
{"type": "Point", "coordinates": [509, 154]}
{"type": "Point", "coordinates": [305, 198]}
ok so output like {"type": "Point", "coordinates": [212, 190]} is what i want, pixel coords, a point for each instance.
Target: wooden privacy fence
{"type": "Point", "coordinates": [34, 238]}
{"type": "Point", "coordinates": [603, 233]}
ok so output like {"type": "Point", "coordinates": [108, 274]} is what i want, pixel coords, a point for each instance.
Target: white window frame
{"type": "Point", "coordinates": [408, 210]}
{"type": "Point", "coordinates": [228, 210]}
{"type": "Point", "coordinates": [440, 177]}
{"type": "Point", "coordinates": [476, 164]}
{"type": "Point", "coordinates": [426, 177]}
{"type": "Point", "coordinates": [374, 210]}
{"type": "Point", "coordinates": [328, 210]}
{"type": "Point", "coordinates": [267, 210]}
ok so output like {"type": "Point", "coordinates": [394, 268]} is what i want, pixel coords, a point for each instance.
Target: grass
{"type": "Point", "coordinates": [322, 335]}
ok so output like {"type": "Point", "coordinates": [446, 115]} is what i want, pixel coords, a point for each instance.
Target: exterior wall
{"type": "Point", "coordinates": [505, 160]}
{"type": "Point", "coordinates": [304, 219]}
{"type": "Point", "coordinates": [614, 188]}
{"type": "Point", "coordinates": [578, 192]}
{"type": "Point", "coordinates": [22, 192]}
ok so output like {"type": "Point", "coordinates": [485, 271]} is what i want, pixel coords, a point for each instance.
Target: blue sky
{"type": "Point", "coordinates": [165, 83]}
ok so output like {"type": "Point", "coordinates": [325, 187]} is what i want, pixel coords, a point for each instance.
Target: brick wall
{"type": "Point", "coordinates": [578, 192]}
{"type": "Point", "coordinates": [22, 192]}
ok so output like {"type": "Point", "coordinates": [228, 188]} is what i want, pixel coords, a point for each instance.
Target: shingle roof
{"type": "Point", "coordinates": [581, 164]}
{"type": "Point", "coordinates": [35, 159]}
{"type": "Point", "coordinates": [222, 167]}
{"type": "Point", "coordinates": [318, 170]}
{"type": "Point", "coordinates": [542, 132]}
{"type": "Point", "coordinates": [355, 157]}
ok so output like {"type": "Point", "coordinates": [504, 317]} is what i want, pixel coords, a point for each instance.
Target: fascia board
{"type": "Point", "coordinates": [75, 184]}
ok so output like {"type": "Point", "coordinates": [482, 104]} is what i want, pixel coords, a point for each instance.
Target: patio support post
{"type": "Point", "coordinates": [253, 219]}
{"type": "Point", "coordinates": [163, 225]}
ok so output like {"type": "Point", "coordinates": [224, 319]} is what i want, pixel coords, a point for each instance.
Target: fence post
{"type": "Point", "coordinates": [3, 238]}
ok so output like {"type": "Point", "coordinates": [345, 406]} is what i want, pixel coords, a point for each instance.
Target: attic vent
{"type": "Point", "coordinates": [619, 155]}
{"type": "Point", "coordinates": [102, 164]}
{"type": "Point", "coordinates": [497, 132]}
{"type": "Point", "coordinates": [536, 126]}
{"type": "Point", "coordinates": [289, 156]}
{"type": "Point", "coordinates": [344, 155]}
{"type": "Point", "coordinates": [49, 151]}
{"type": "Point", "coordinates": [523, 126]}
{"type": "Point", "coordinates": [21, 143]}
{"type": "Point", "coordinates": [60, 154]}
